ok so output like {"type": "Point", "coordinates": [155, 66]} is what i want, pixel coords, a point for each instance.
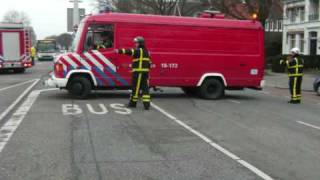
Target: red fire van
{"type": "Point", "coordinates": [200, 55]}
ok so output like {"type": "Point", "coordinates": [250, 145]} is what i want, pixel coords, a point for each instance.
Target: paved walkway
{"type": "Point", "coordinates": [280, 80]}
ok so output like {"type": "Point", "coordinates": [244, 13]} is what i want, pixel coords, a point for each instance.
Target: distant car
{"type": "Point", "coordinates": [316, 85]}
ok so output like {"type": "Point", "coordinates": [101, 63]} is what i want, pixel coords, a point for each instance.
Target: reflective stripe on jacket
{"type": "Point", "coordinates": [33, 52]}
{"type": "Point", "coordinates": [295, 67]}
{"type": "Point", "coordinates": [141, 59]}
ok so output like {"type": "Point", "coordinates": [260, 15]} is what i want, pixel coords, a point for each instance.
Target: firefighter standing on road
{"type": "Point", "coordinates": [33, 53]}
{"type": "Point", "coordinates": [294, 64]}
{"type": "Point", "coordinates": [141, 64]}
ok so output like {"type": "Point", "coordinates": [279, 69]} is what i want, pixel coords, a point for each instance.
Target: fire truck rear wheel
{"type": "Point", "coordinates": [211, 89]}
{"type": "Point", "coordinates": [79, 87]}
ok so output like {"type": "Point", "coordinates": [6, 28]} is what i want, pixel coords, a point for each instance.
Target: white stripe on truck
{"type": "Point", "coordinates": [104, 59]}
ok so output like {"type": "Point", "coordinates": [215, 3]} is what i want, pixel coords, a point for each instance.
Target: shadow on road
{"type": "Point", "coordinates": [239, 97]}
{"type": "Point", "coordinates": [12, 72]}
{"type": "Point", "coordinates": [125, 95]}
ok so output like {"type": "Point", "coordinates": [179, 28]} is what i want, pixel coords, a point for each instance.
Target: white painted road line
{"type": "Point", "coordinates": [265, 92]}
{"type": "Point", "coordinates": [215, 145]}
{"type": "Point", "coordinates": [309, 125]}
{"type": "Point", "coordinates": [16, 85]}
{"type": "Point", "coordinates": [234, 101]}
{"type": "Point", "coordinates": [46, 90]}
{"type": "Point", "coordinates": [13, 123]}
{"type": "Point", "coordinates": [25, 92]}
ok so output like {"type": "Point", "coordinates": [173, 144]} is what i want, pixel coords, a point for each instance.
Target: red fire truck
{"type": "Point", "coordinates": [15, 43]}
{"type": "Point", "coordinates": [201, 55]}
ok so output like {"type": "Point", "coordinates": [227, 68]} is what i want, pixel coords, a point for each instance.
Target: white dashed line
{"type": "Point", "coordinates": [234, 101]}
{"type": "Point", "coordinates": [13, 123]}
{"type": "Point", "coordinates": [46, 90]}
{"type": "Point", "coordinates": [16, 85]}
{"type": "Point", "coordinates": [215, 145]}
{"type": "Point", "coordinates": [309, 125]}
{"type": "Point", "coordinates": [265, 92]}
{"type": "Point", "coordinates": [3, 114]}
{"type": "Point", "coordinates": [9, 128]}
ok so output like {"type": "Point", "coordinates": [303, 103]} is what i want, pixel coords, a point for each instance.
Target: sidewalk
{"type": "Point", "coordinates": [280, 80]}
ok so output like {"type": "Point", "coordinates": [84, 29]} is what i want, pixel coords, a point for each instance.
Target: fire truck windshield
{"type": "Point", "coordinates": [77, 37]}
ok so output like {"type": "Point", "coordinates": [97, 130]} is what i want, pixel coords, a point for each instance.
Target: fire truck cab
{"type": "Point", "coordinates": [201, 55]}
{"type": "Point", "coordinates": [15, 44]}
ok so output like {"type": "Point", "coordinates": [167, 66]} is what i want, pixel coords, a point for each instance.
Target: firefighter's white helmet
{"type": "Point", "coordinates": [295, 50]}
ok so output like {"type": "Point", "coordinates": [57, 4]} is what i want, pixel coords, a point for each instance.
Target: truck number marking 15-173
{"type": "Point", "coordinates": [169, 65]}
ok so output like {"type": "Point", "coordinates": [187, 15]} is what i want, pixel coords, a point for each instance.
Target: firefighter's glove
{"type": "Point", "coordinates": [281, 61]}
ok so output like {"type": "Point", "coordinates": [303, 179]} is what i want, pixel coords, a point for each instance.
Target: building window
{"type": "Point", "coordinates": [292, 41]}
{"type": "Point", "coordinates": [301, 43]}
{"type": "Point", "coordinates": [313, 44]}
{"type": "Point", "coordinates": [280, 25]}
{"type": "Point", "coordinates": [302, 14]}
{"type": "Point", "coordinates": [296, 14]}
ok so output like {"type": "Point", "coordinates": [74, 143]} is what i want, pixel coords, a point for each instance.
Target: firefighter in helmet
{"type": "Point", "coordinates": [141, 64]}
{"type": "Point", "coordinates": [294, 64]}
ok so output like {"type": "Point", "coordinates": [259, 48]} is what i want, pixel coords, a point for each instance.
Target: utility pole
{"type": "Point", "coordinates": [76, 16]}
{"type": "Point", "coordinates": [75, 12]}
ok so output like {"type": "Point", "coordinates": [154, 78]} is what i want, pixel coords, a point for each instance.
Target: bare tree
{"type": "Point", "coordinates": [125, 6]}
{"type": "Point", "coordinates": [100, 4]}
{"type": "Point", "coordinates": [242, 9]}
{"type": "Point", "coordinates": [32, 35]}
{"type": "Point", "coordinates": [17, 17]}
{"type": "Point", "coordinates": [161, 7]}
{"type": "Point", "coordinates": [64, 40]}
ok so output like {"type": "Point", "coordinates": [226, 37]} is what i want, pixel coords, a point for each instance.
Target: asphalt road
{"type": "Point", "coordinates": [45, 135]}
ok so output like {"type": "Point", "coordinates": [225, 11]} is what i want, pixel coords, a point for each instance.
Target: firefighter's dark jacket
{"type": "Point", "coordinates": [295, 66]}
{"type": "Point", "coordinates": [141, 59]}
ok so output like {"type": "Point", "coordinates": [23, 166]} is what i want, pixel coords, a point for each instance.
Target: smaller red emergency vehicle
{"type": "Point", "coordinates": [204, 55]}
{"type": "Point", "coordinates": [15, 44]}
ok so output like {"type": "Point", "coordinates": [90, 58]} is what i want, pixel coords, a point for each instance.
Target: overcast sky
{"type": "Point", "coordinates": [48, 17]}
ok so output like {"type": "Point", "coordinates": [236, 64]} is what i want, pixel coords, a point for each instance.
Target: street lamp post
{"type": "Point", "coordinates": [75, 12]}
{"type": "Point", "coordinates": [76, 17]}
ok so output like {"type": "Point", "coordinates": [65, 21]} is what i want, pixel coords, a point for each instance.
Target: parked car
{"type": "Point", "coordinates": [316, 85]}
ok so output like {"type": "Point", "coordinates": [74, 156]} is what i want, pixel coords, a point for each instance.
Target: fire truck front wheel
{"type": "Point", "coordinates": [79, 87]}
{"type": "Point", "coordinates": [211, 89]}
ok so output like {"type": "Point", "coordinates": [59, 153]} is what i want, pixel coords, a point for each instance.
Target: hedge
{"type": "Point", "coordinates": [310, 62]}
